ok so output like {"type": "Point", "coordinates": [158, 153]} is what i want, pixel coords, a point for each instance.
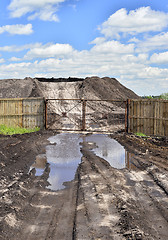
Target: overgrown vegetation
{"type": "Point", "coordinates": [163, 96]}
{"type": "Point", "coordinates": [4, 130]}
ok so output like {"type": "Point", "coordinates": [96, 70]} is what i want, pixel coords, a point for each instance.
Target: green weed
{"type": "Point", "coordinates": [4, 130]}
{"type": "Point", "coordinates": [140, 134]}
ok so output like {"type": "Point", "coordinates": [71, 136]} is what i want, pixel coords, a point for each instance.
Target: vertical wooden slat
{"type": "Point", "coordinates": [134, 114]}
{"type": "Point", "coordinates": [166, 117]}
{"type": "Point", "coordinates": [161, 119]}
{"type": "Point", "coordinates": [148, 113]}
{"type": "Point", "coordinates": [128, 115]}
{"type": "Point", "coordinates": [131, 116]}
{"type": "Point", "coordinates": [138, 115]}
{"type": "Point", "coordinates": [155, 117]}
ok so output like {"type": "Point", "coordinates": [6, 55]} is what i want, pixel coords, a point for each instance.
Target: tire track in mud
{"type": "Point", "coordinates": [102, 216]}
{"type": "Point", "coordinates": [138, 194]}
{"type": "Point", "coordinates": [55, 215]}
{"type": "Point", "coordinates": [147, 206]}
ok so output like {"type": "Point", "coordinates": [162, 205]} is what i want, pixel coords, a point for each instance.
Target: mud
{"type": "Point", "coordinates": [101, 202]}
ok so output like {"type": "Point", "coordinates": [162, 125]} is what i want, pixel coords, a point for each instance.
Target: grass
{"type": "Point", "coordinates": [4, 130]}
{"type": "Point", "coordinates": [140, 134]}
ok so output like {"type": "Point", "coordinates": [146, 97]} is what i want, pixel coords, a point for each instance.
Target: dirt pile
{"type": "Point", "coordinates": [90, 87]}
{"type": "Point", "coordinates": [19, 88]}
{"type": "Point", "coordinates": [106, 88]}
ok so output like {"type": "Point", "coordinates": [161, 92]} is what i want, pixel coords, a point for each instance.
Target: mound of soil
{"type": "Point", "coordinates": [90, 87]}
{"type": "Point", "coordinates": [19, 88]}
{"type": "Point", "coordinates": [106, 88]}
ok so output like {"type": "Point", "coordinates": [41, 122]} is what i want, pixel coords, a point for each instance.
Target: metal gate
{"type": "Point", "coordinates": [86, 115]}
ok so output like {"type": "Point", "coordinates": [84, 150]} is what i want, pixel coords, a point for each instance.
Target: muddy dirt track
{"type": "Point", "coordinates": [100, 203]}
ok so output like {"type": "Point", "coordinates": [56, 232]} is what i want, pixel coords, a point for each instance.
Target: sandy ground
{"type": "Point", "coordinates": [100, 203]}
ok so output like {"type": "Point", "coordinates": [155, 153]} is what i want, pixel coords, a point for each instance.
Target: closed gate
{"type": "Point", "coordinates": [86, 115]}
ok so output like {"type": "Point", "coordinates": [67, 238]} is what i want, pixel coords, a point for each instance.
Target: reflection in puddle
{"type": "Point", "coordinates": [39, 164]}
{"type": "Point", "coordinates": [63, 156]}
{"type": "Point", "coordinates": [108, 149]}
{"type": "Point", "coordinates": [129, 161]}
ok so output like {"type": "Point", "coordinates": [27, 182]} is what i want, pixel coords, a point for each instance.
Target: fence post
{"type": "Point", "coordinates": [83, 115]}
{"type": "Point", "coordinates": [128, 121]}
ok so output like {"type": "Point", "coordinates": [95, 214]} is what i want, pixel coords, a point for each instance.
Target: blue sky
{"type": "Point", "coordinates": [125, 39]}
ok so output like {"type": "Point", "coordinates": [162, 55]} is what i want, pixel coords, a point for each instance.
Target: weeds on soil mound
{"type": "Point", "coordinates": [4, 130]}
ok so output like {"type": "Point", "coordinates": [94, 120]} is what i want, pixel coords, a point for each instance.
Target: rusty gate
{"type": "Point", "coordinates": [86, 115]}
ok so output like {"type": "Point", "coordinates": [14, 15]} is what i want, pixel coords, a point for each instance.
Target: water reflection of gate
{"type": "Point", "coordinates": [86, 115]}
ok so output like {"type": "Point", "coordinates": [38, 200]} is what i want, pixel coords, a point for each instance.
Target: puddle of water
{"type": "Point", "coordinates": [63, 156]}
{"type": "Point", "coordinates": [108, 149]}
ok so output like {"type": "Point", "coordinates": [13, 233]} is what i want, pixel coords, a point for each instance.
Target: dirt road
{"type": "Point", "coordinates": [100, 203]}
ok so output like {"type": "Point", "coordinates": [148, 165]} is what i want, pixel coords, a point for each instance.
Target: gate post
{"type": "Point", "coordinates": [83, 114]}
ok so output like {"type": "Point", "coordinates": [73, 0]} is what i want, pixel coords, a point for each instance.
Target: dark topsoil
{"type": "Point", "coordinates": [100, 203]}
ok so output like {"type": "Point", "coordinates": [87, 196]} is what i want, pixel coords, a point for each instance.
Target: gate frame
{"type": "Point", "coordinates": [83, 102]}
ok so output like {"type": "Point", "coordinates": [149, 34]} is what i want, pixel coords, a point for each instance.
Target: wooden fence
{"type": "Point", "coordinates": [148, 116]}
{"type": "Point", "coordinates": [22, 112]}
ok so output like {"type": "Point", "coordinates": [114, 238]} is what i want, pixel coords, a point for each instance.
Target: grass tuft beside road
{"type": "Point", "coordinates": [4, 130]}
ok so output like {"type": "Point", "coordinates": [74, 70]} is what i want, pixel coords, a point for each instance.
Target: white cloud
{"type": "Point", "coordinates": [113, 47]}
{"type": "Point", "coordinates": [160, 58]}
{"type": "Point", "coordinates": [2, 60]}
{"type": "Point", "coordinates": [42, 9]}
{"type": "Point", "coordinates": [18, 29]}
{"type": "Point", "coordinates": [141, 58]}
{"type": "Point", "coordinates": [15, 59]}
{"type": "Point", "coordinates": [136, 21]}
{"type": "Point", "coordinates": [134, 39]}
{"type": "Point", "coordinates": [47, 51]}
{"type": "Point", "coordinates": [98, 40]}
{"type": "Point", "coordinates": [159, 41]}
{"type": "Point", "coordinates": [15, 48]}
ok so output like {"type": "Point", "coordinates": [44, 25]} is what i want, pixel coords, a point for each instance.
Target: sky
{"type": "Point", "coordinates": [124, 39]}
